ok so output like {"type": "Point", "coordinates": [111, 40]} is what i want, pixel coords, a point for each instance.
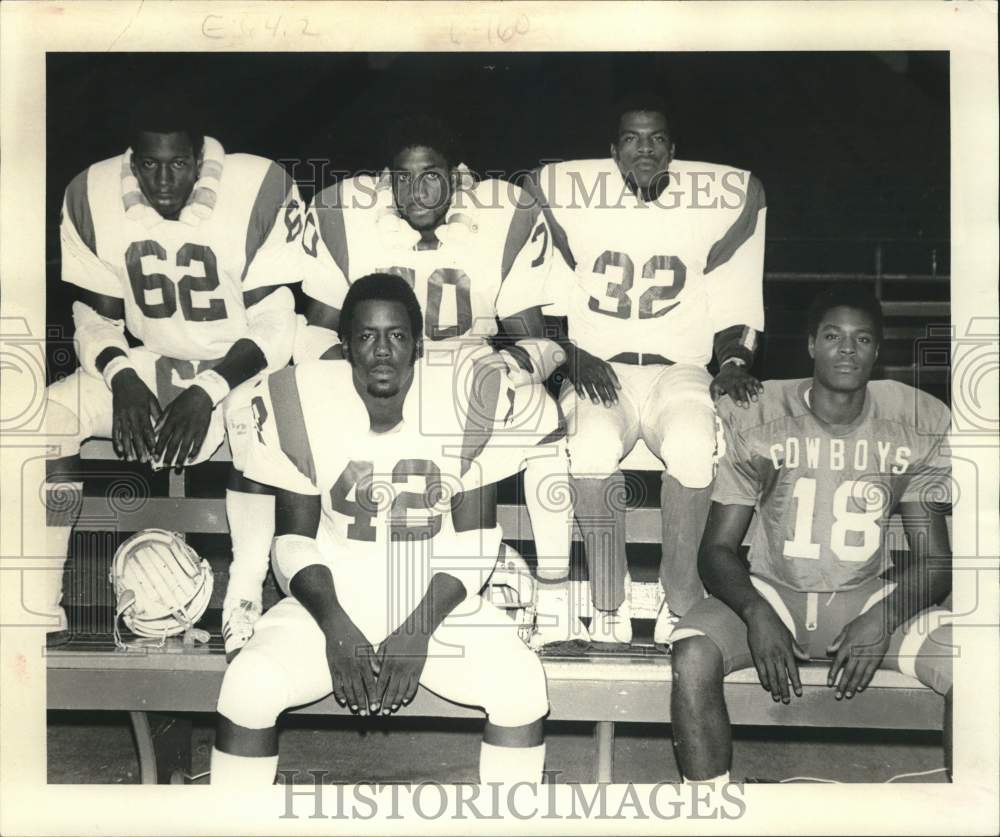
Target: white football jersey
{"type": "Point", "coordinates": [660, 277]}
{"type": "Point", "coordinates": [386, 497]}
{"type": "Point", "coordinates": [183, 283]}
{"type": "Point", "coordinates": [494, 252]}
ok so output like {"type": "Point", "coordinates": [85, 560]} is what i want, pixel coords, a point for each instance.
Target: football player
{"type": "Point", "coordinates": [824, 462]}
{"type": "Point", "coordinates": [188, 247]}
{"type": "Point", "coordinates": [385, 535]}
{"type": "Point", "coordinates": [476, 255]}
{"type": "Point", "coordinates": [667, 260]}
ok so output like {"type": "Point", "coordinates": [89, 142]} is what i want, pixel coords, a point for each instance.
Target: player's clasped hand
{"type": "Point", "coordinates": [857, 653]}
{"type": "Point", "coordinates": [775, 652]}
{"type": "Point", "coordinates": [399, 664]}
{"type": "Point", "coordinates": [350, 658]}
{"type": "Point", "coordinates": [183, 426]}
{"type": "Point", "coordinates": [734, 380]}
{"type": "Point", "coordinates": [592, 377]}
{"type": "Point", "coordinates": [135, 411]}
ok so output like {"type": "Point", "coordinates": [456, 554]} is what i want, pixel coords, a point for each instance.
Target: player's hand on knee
{"type": "Point", "coordinates": [736, 382]}
{"type": "Point", "coordinates": [401, 658]}
{"type": "Point", "coordinates": [135, 411]}
{"type": "Point", "coordinates": [349, 654]}
{"type": "Point", "coordinates": [857, 652]}
{"type": "Point", "coordinates": [775, 652]}
{"type": "Point", "coordinates": [593, 378]}
{"type": "Point", "coordinates": [183, 426]}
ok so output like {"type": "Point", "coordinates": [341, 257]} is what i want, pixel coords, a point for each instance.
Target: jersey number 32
{"type": "Point", "coordinates": [618, 296]}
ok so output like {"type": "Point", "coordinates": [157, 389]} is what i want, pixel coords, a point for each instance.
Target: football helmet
{"type": "Point", "coordinates": [162, 587]}
{"type": "Point", "coordinates": [512, 589]}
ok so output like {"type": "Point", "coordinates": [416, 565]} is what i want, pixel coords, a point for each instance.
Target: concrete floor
{"type": "Point", "coordinates": [98, 748]}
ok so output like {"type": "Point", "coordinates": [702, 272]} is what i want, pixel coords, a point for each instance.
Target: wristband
{"type": "Point", "coordinates": [213, 383]}
{"type": "Point", "coordinates": [117, 364]}
{"type": "Point", "coordinates": [737, 360]}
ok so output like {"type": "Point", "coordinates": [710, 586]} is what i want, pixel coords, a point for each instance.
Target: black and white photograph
{"type": "Point", "coordinates": [494, 426]}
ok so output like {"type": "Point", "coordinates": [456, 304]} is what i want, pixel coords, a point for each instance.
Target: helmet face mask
{"type": "Point", "coordinates": [512, 589]}
{"type": "Point", "coordinates": [162, 587]}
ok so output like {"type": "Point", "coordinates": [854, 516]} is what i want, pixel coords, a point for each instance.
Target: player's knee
{"type": "Point", "coordinates": [253, 692]}
{"type": "Point", "coordinates": [697, 664]}
{"type": "Point", "coordinates": [933, 663]}
{"type": "Point", "coordinates": [689, 458]}
{"type": "Point", "coordinates": [594, 455]}
{"type": "Point", "coordinates": [239, 421]}
{"type": "Point", "coordinates": [64, 428]}
{"type": "Point", "coordinates": [519, 694]}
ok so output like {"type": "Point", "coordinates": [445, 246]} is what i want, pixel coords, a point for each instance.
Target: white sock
{"type": "Point", "coordinates": [511, 764]}
{"type": "Point", "coordinates": [251, 527]}
{"type": "Point", "coordinates": [46, 550]}
{"type": "Point", "coordinates": [547, 498]}
{"type": "Point", "coordinates": [242, 771]}
{"type": "Point", "coordinates": [718, 781]}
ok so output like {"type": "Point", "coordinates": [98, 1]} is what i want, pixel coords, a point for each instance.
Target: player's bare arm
{"type": "Point", "coordinates": [734, 378]}
{"type": "Point", "coordinates": [348, 653]}
{"type": "Point", "coordinates": [590, 376]}
{"type": "Point", "coordinates": [923, 579]}
{"type": "Point", "coordinates": [135, 407]}
{"type": "Point", "coordinates": [181, 429]}
{"type": "Point", "coordinates": [401, 656]}
{"type": "Point", "coordinates": [726, 577]}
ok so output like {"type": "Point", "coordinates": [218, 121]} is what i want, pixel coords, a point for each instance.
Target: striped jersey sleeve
{"type": "Point", "coordinates": [526, 259]}
{"type": "Point", "coordinates": [273, 232]}
{"type": "Point", "coordinates": [325, 257]}
{"type": "Point", "coordinates": [280, 453]}
{"type": "Point", "coordinates": [734, 267]}
{"type": "Point", "coordinates": [78, 243]}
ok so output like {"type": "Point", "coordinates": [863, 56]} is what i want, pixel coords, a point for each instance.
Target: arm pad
{"type": "Point", "coordinates": [296, 552]}
{"type": "Point", "coordinates": [736, 341]}
{"type": "Point", "coordinates": [94, 334]}
{"type": "Point", "coordinates": [468, 556]}
{"type": "Point", "coordinates": [271, 325]}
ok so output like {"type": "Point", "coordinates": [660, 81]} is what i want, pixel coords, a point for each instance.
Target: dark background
{"type": "Point", "coordinates": [852, 148]}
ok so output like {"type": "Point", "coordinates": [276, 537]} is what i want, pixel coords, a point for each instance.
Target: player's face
{"type": "Point", "coordinates": [844, 349]}
{"type": "Point", "coordinates": [166, 168]}
{"type": "Point", "coordinates": [421, 185]}
{"type": "Point", "coordinates": [382, 348]}
{"type": "Point", "coordinates": [643, 149]}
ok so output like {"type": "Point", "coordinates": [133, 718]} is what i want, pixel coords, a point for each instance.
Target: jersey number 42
{"type": "Point", "coordinates": [369, 494]}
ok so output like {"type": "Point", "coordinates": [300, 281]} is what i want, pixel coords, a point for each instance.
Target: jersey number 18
{"type": "Point", "coordinates": [864, 525]}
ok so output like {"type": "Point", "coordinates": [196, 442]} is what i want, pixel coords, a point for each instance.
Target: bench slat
{"type": "Point", "coordinates": [594, 692]}
{"type": "Point", "coordinates": [208, 516]}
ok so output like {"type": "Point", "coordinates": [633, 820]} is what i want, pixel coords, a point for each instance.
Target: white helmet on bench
{"type": "Point", "coordinates": [512, 589]}
{"type": "Point", "coordinates": [162, 587]}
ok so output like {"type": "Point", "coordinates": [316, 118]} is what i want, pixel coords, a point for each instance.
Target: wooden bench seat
{"type": "Point", "coordinates": [90, 674]}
